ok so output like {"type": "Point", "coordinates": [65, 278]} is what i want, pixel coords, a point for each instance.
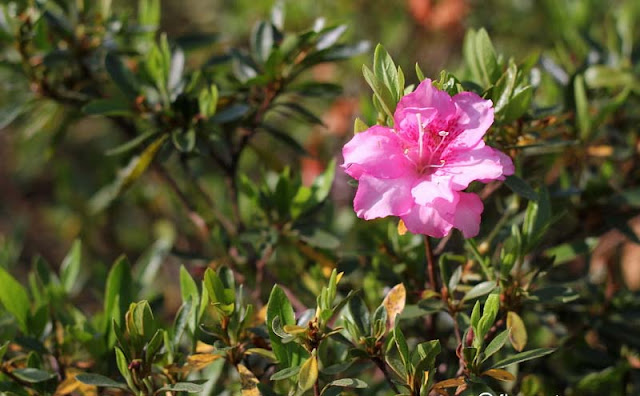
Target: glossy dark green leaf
{"type": "Point", "coordinates": [188, 387]}
{"type": "Point", "coordinates": [285, 373]}
{"type": "Point", "coordinates": [108, 107]}
{"type": "Point", "coordinates": [193, 41]}
{"type": "Point", "coordinates": [285, 138]}
{"type": "Point", "coordinates": [230, 113]}
{"type": "Point", "coordinates": [360, 315]}
{"type": "Point", "coordinates": [121, 75]}
{"type": "Point", "coordinates": [523, 357]}
{"type": "Point", "coordinates": [33, 375]}
{"type": "Point", "coordinates": [521, 187]}
{"type": "Point", "coordinates": [100, 381]}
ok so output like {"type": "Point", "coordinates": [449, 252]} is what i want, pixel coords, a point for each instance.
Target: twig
{"type": "Point", "coordinates": [383, 367]}
{"type": "Point", "coordinates": [316, 388]}
{"type": "Point", "coordinates": [220, 217]}
{"type": "Point", "coordinates": [260, 266]}
{"type": "Point", "coordinates": [194, 216]}
{"type": "Point", "coordinates": [430, 264]}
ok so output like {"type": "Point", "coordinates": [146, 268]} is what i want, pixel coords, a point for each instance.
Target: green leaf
{"type": "Point", "coordinates": [123, 367]}
{"type": "Point", "coordinates": [481, 57]}
{"type": "Point", "coordinates": [380, 91]}
{"type": "Point", "coordinates": [230, 113]}
{"type": "Point", "coordinates": [285, 138]}
{"type": "Point", "coordinates": [70, 267]}
{"type": "Point", "coordinates": [480, 290]}
{"type": "Point", "coordinates": [290, 354]}
{"type": "Point", "coordinates": [503, 89]}
{"type": "Point", "coordinates": [419, 73]}
{"type": "Point", "coordinates": [188, 287]}
{"type": "Point", "coordinates": [131, 144]}
{"type": "Point", "coordinates": [108, 107]}
{"type": "Point", "coordinates": [601, 76]}
{"type": "Point", "coordinates": [224, 300]}
{"type": "Point", "coordinates": [188, 387]}
{"type": "Point", "coordinates": [583, 120]}
{"type": "Point", "coordinates": [385, 71]}
{"type": "Point", "coordinates": [121, 75]}
{"type": "Point", "coordinates": [3, 349]}
{"type": "Point", "coordinates": [401, 344]}
{"type": "Point", "coordinates": [521, 187]}
{"type": "Point", "coordinates": [100, 380]}
{"type": "Point", "coordinates": [496, 344]}
{"type": "Point", "coordinates": [359, 126]}
{"type": "Point", "coordinates": [329, 36]}
{"type": "Point", "coordinates": [518, 104]}
{"type": "Point", "coordinates": [192, 41]}
{"type": "Point", "coordinates": [262, 41]}
{"type": "Point", "coordinates": [118, 295]}
{"type": "Point", "coordinates": [347, 383]}
{"type": "Point", "coordinates": [33, 375]}
{"type": "Point", "coordinates": [285, 373]}
{"type": "Point", "coordinates": [308, 374]}
{"type": "Point", "coordinates": [184, 141]}
{"type": "Point", "coordinates": [303, 113]}
{"type": "Point", "coordinates": [15, 299]}
{"type": "Point", "coordinates": [523, 357]}
{"type": "Point", "coordinates": [360, 315]}
{"type": "Point", "coordinates": [126, 177]}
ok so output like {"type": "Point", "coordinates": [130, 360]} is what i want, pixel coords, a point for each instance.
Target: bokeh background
{"type": "Point", "coordinates": [53, 162]}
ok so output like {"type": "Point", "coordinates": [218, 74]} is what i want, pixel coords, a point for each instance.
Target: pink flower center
{"type": "Point", "coordinates": [430, 147]}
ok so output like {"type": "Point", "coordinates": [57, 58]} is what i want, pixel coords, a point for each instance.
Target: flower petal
{"type": "Point", "coordinates": [478, 163]}
{"type": "Point", "coordinates": [467, 217]}
{"type": "Point", "coordinates": [433, 219]}
{"type": "Point", "coordinates": [475, 116]}
{"type": "Point", "coordinates": [377, 152]}
{"type": "Point", "coordinates": [432, 188]}
{"type": "Point", "coordinates": [425, 96]}
{"type": "Point", "coordinates": [383, 197]}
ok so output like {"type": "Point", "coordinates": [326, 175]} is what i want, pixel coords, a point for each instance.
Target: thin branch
{"type": "Point", "coordinates": [194, 216]}
{"type": "Point", "coordinates": [383, 367]}
{"type": "Point", "coordinates": [430, 264]}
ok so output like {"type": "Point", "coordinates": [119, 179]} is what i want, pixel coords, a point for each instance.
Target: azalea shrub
{"type": "Point", "coordinates": [474, 233]}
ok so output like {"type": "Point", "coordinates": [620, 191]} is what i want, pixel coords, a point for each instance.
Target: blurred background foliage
{"type": "Point", "coordinates": [576, 140]}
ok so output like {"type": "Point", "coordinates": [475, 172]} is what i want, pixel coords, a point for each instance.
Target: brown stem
{"type": "Point", "coordinates": [383, 367]}
{"type": "Point", "coordinates": [220, 217]}
{"type": "Point", "coordinates": [316, 388]}
{"type": "Point", "coordinates": [430, 264]}
{"type": "Point", "coordinates": [194, 216]}
{"type": "Point", "coordinates": [260, 266]}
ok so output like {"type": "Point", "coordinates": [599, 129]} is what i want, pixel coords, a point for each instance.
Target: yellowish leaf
{"type": "Point", "coordinates": [199, 361]}
{"type": "Point", "coordinates": [450, 383]}
{"type": "Point", "coordinates": [394, 303]}
{"type": "Point", "coordinates": [71, 384]}
{"type": "Point", "coordinates": [201, 347]}
{"type": "Point", "coordinates": [402, 228]}
{"type": "Point", "coordinates": [499, 374]}
{"type": "Point", "coordinates": [600, 151]}
{"type": "Point", "coordinates": [518, 334]}
{"type": "Point", "coordinates": [294, 329]}
{"type": "Point", "coordinates": [249, 381]}
{"type": "Point", "coordinates": [308, 374]}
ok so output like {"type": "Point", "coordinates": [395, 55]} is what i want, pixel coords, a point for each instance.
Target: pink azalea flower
{"type": "Point", "coordinates": [418, 169]}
